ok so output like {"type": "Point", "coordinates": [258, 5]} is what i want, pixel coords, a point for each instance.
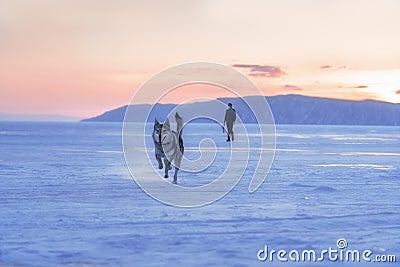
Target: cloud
{"type": "Point", "coordinates": [259, 74]}
{"type": "Point", "coordinates": [292, 87]}
{"type": "Point", "coordinates": [262, 70]}
{"type": "Point", "coordinates": [356, 87]}
{"type": "Point", "coordinates": [326, 67]}
{"type": "Point", "coordinates": [398, 92]}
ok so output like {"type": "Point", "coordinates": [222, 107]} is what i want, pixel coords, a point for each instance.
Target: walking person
{"type": "Point", "coordinates": [230, 118]}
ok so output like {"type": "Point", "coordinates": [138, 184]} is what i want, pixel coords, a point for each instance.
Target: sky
{"type": "Point", "coordinates": [82, 58]}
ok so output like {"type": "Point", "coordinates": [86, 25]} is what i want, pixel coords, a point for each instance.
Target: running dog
{"type": "Point", "coordinates": [168, 145]}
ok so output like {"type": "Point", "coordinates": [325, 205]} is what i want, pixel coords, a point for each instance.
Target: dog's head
{"type": "Point", "coordinates": [157, 131]}
{"type": "Point", "coordinates": [166, 133]}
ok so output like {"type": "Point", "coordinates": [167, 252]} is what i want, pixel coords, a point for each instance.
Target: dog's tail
{"type": "Point", "coordinates": [179, 123]}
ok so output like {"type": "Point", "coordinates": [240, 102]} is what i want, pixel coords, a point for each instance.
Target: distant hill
{"type": "Point", "coordinates": [30, 117]}
{"type": "Point", "coordinates": [287, 109]}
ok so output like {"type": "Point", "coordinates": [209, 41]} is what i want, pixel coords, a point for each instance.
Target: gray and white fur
{"type": "Point", "coordinates": [169, 145]}
{"type": "Point", "coordinates": [158, 150]}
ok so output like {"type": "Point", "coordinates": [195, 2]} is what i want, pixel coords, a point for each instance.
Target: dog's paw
{"type": "Point", "coordinates": [166, 176]}
{"type": "Point", "coordinates": [160, 166]}
{"type": "Point", "coordinates": [175, 182]}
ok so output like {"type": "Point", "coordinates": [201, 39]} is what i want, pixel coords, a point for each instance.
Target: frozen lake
{"type": "Point", "coordinates": [67, 199]}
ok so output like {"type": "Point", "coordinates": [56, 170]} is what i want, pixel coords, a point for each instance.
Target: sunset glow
{"type": "Point", "coordinates": [83, 58]}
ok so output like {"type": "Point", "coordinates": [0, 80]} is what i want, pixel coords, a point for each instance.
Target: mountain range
{"type": "Point", "coordinates": [37, 117]}
{"type": "Point", "coordinates": [286, 109]}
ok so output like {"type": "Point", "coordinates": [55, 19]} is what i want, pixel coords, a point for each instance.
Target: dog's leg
{"type": "Point", "coordinates": [160, 164]}
{"type": "Point", "coordinates": [166, 162]}
{"type": "Point", "coordinates": [167, 168]}
{"type": "Point", "coordinates": [176, 175]}
{"type": "Point", "coordinates": [177, 166]}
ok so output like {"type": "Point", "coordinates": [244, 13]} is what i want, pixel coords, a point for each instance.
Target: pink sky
{"type": "Point", "coordinates": [81, 58]}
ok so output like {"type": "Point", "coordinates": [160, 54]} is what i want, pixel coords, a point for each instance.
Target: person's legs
{"type": "Point", "coordinates": [229, 126]}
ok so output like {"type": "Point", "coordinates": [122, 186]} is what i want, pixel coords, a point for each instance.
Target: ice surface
{"type": "Point", "coordinates": [67, 199]}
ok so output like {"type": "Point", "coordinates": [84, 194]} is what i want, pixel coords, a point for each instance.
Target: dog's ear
{"type": "Point", "coordinates": [156, 121]}
{"type": "Point", "coordinates": [166, 124]}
